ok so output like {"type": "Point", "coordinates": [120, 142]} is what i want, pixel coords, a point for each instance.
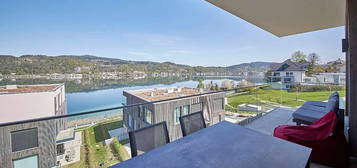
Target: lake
{"type": "Point", "coordinates": [92, 94]}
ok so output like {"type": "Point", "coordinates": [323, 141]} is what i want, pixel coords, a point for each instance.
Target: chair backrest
{"type": "Point", "coordinates": [192, 122]}
{"type": "Point", "coordinates": [148, 138]}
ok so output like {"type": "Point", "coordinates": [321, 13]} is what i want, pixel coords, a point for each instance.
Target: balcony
{"type": "Point", "coordinates": [100, 138]}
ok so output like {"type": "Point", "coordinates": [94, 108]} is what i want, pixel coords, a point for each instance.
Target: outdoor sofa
{"type": "Point", "coordinates": [325, 135]}
{"type": "Point", "coordinates": [312, 111]}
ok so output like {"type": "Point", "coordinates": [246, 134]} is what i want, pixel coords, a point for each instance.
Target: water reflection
{"type": "Point", "coordinates": [91, 94]}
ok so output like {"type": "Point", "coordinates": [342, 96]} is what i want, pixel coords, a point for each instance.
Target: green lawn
{"type": "Point", "coordinates": [118, 150]}
{"type": "Point", "coordinates": [283, 97]}
{"type": "Point", "coordinates": [101, 130]}
{"type": "Point", "coordinates": [94, 153]}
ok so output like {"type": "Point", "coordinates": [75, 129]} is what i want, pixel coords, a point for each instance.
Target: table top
{"type": "Point", "coordinates": [223, 145]}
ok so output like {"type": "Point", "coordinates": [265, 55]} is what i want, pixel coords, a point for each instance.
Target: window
{"type": "Point", "coordinates": [181, 111]}
{"type": "Point", "coordinates": [28, 162]}
{"type": "Point", "coordinates": [59, 101]}
{"type": "Point", "coordinates": [287, 80]}
{"type": "Point", "coordinates": [55, 103]}
{"type": "Point", "coordinates": [140, 109]}
{"type": "Point", "coordinates": [135, 124]}
{"type": "Point", "coordinates": [177, 112]}
{"type": "Point", "coordinates": [60, 149]}
{"type": "Point", "coordinates": [218, 104]}
{"type": "Point", "coordinates": [196, 107]}
{"type": "Point", "coordinates": [130, 121]}
{"type": "Point", "coordinates": [185, 110]}
{"type": "Point", "coordinates": [148, 116]}
{"type": "Point", "coordinates": [24, 139]}
{"type": "Point", "coordinates": [289, 73]}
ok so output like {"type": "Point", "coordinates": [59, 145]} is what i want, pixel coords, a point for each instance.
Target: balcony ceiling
{"type": "Point", "coordinates": [287, 17]}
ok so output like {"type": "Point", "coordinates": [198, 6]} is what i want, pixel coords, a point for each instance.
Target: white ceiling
{"type": "Point", "coordinates": [287, 17]}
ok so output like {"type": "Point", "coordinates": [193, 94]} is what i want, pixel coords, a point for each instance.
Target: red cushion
{"type": "Point", "coordinates": [329, 147]}
{"type": "Point", "coordinates": [319, 130]}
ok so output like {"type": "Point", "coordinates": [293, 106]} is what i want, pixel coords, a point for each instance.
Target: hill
{"type": "Point", "coordinates": [89, 64]}
{"type": "Point", "coordinates": [253, 66]}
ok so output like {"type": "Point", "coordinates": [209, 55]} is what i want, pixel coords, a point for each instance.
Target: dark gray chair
{"type": "Point", "coordinates": [148, 138]}
{"type": "Point", "coordinates": [312, 111]}
{"type": "Point", "coordinates": [192, 122]}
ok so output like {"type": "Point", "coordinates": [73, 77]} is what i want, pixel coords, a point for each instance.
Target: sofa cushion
{"type": "Point", "coordinates": [315, 108]}
{"type": "Point", "coordinates": [308, 115]}
{"type": "Point", "coordinates": [316, 103]}
{"type": "Point", "coordinates": [333, 102]}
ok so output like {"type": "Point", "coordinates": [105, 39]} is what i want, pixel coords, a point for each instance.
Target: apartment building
{"type": "Point", "coordinates": [212, 106]}
{"type": "Point", "coordinates": [32, 144]}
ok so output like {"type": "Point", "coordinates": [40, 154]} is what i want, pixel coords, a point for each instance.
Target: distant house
{"type": "Point", "coordinates": [137, 117]}
{"type": "Point", "coordinates": [289, 73]}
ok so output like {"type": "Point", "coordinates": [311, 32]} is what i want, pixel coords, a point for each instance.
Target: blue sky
{"type": "Point", "coordinates": [190, 32]}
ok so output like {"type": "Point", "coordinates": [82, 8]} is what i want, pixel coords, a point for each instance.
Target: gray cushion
{"type": "Point", "coordinates": [333, 102]}
{"type": "Point", "coordinates": [312, 111]}
{"type": "Point", "coordinates": [315, 108]}
{"type": "Point", "coordinates": [316, 103]}
{"type": "Point", "coordinates": [308, 115]}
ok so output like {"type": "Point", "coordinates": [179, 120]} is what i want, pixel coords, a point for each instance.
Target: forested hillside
{"type": "Point", "coordinates": [42, 64]}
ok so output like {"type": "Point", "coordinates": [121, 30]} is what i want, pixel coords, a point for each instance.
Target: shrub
{"type": "Point", "coordinates": [315, 88]}
{"type": "Point", "coordinates": [119, 150]}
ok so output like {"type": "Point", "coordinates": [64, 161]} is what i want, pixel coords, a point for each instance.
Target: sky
{"type": "Point", "coordinates": [192, 32]}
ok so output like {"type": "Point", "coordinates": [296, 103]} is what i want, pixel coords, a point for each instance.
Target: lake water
{"type": "Point", "coordinates": [85, 95]}
{"type": "Point", "coordinates": [85, 101]}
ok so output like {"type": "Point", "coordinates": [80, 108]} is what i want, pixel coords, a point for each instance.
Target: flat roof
{"type": "Point", "coordinates": [65, 135]}
{"type": "Point", "coordinates": [164, 93]}
{"type": "Point", "coordinates": [12, 89]}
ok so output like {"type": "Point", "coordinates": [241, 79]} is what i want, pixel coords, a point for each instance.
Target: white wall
{"type": "Point", "coordinates": [298, 75]}
{"type": "Point", "coordinates": [24, 106]}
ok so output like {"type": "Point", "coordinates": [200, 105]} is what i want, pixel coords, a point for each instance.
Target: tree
{"type": "Point", "coordinates": [313, 60]}
{"type": "Point", "coordinates": [216, 87]}
{"type": "Point", "coordinates": [201, 85]}
{"type": "Point", "coordinates": [227, 84]}
{"type": "Point", "coordinates": [298, 56]}
{"type": "Point", "coordinates": [267, 75]}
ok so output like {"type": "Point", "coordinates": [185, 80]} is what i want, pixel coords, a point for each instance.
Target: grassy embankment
{"type": "Point", "coordinates": [94, 153]}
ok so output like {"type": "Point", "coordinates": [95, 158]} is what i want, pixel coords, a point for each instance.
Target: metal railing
{"type": "Point", "coordinates": [127, 106]}
{"type": "Point", "coordinates": [102, 134]}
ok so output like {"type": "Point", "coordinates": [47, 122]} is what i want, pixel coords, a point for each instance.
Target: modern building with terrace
{"type": "Point", "coordinates": [30, 144]}
{"type": "Point", "coordinates": [212, 105]}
